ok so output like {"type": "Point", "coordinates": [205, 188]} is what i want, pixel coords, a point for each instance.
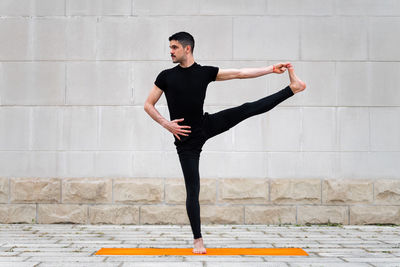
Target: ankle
{"type": "Point", "coordinates": [292, 87]}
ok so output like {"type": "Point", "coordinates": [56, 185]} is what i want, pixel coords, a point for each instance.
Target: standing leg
{"type": "Point", "coordinates": [190, 168]}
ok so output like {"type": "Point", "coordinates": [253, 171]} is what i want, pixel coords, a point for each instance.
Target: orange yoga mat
{"type": "Point", "coordinates": [210, 251]}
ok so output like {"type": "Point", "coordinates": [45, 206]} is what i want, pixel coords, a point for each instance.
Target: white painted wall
{"type": "Point", "coordinates": [74, 75]}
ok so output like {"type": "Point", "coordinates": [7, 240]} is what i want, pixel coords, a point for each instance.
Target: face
{"type": "Point", "coordinates": [178, 53]}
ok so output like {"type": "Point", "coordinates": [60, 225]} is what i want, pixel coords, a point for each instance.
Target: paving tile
{"type": "Point", "coordinates": [163, 264]}
{"type": "Point", "coordinates": [164, 258]}
{"type": "Point", "coordinates": [19, 264]}
{"type": "Point", "coordinates": [11, 259]}
{"type": "Point", "coordinates": [74, 245]}
{"type": "Point", "coordinates": [65, 259]}
{"type": "Point", "coordinates": [310, 264]}
{"type": "Point", "coordinates": [243, 264]}
{"type": "Point", "coordinates": [205, 258]}
{"type": "Point", "coordinates": [76, 264]}
{"type": "Point", "coordinates": [373, 260]}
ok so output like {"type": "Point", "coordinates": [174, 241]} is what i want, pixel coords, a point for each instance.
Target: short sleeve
{"type": "Point", "coordinates": [212, 72]}
{"type": "Point", "coordinates": [160, 81]}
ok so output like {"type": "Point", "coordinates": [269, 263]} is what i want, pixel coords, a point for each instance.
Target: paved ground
{"type": "Point", "coordinates": [75, 245]}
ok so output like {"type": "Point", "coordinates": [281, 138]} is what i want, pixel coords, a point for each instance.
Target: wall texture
{"type": "Point", "coordinates": [74, 75]}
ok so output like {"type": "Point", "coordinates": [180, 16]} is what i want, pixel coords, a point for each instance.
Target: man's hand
{"type": "Point", "coordinates": [176, 129]}
{"type": "Point", "coordinates": [280, 67]}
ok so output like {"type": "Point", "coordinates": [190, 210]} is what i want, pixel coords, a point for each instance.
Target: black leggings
{"type": "Point", "coordinates": [212, 125]}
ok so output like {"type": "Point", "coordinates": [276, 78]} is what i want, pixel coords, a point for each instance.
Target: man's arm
{"type": "Point", "coordinates": [228, 74]}
{"type": "Point", "coordinates": [171, 126]}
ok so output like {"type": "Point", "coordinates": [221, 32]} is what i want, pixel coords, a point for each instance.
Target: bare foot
{"type": "Point", "coordinates": [199, 246]}
{"type": "Point", "coordinates": [296, 84]}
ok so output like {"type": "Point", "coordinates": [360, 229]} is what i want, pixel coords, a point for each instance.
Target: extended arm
{"type": "Point", "coordinates": [228, 74]}
{"type": "Point", "coordinates": [171, 126]}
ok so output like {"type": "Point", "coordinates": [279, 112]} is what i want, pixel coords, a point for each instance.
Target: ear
{"type": "Point", "coordinates": [187, 49]}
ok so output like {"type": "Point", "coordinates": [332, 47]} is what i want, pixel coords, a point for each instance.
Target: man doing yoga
{"type": "Point", "coordinates": [185, 89]}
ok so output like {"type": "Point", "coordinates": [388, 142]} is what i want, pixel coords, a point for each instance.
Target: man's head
{"type": "Point", "coordinates": [181, 45]}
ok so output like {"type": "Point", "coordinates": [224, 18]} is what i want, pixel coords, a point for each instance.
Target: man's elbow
{"type": "Point", "coordinates": [147, 106]}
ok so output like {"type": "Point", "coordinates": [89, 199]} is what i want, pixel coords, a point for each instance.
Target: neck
{"type": "Point", "coordinates": [187, 62]}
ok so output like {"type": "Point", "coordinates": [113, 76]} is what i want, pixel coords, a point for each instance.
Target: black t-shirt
{"type": "Point", "coordinates": [185, 91]}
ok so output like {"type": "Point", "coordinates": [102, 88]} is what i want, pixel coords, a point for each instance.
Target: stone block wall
{"type": "Point", "coordinates": [77, 146]}
{"type": "Point", "coordinates": [223, 201]}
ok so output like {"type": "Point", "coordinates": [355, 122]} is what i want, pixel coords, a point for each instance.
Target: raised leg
{"type": "Point", "coordinates": [224, 120]}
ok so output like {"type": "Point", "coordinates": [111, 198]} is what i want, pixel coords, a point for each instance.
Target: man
{"type": "Point", "coordinates": [185, 89]}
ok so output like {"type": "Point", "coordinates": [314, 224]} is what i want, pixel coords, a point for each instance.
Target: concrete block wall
{"type": "Point", "coordinates": [74, 75]}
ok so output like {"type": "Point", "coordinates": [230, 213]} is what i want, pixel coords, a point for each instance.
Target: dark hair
{"type": "Point", "coordinates": [184, 38]}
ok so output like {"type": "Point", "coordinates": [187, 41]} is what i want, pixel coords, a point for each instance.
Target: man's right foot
{"type": "Point", "coordinates": [296, 84]}
{"type": "Point", "coordinates": [199, 246]}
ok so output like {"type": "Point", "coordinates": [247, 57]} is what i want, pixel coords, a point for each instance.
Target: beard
{"type": "Point", "coordinates": [176, 59]}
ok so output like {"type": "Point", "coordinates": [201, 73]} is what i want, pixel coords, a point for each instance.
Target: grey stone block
{"type": "Point", "coordinates": [302, 7]}
{"type": "Point", "coordinates": [334, 38]}
{"type": "Point", "coordinates": [75, 164]}
{"type": "Point", "coordinates": [354, 129]}
{"type": "Point", "coordinates": [117, 38]}
{"type": "Point", "coordinates": [367, 83]}
{"type": "Point", "coordinates": [385, 129]}
{"type": "Point", "coordinates": [143, 164]}
{"type": "Point", "coordinates": [165, 7]}
{"type": "Point", "coordinates": [265, 42]}
{"type": "Point", "coordinates": [239, 7]}
{"type": "Point", "coordinates": [80, 128]}
{"type": "Point", "coordinates": [15, 128]}
{"type": "Point", "coordinates": [368, 7]}
{"type": "Point", "coordinates": [225, 165]}
{"type": "Point", "coordinates": [117, 128]}
{"type": "Point", "coordinates": [382, 29]}
{"type": "Point", "coordinates": [99, 83]}
{"type": "Point", "coordinates": [63, 38]}
{"type": "Point", "coordinates": [16, 43]}
{"type": "Point", "coordinates": [384, 164]}
{"type": "Point", "coordinates": [282, 129]}
{"type": "Point", "coordinates": [14, 163]}
{"type": "Point", "coordinates": [32, 8]}
{"type": "Point", "coordinates": [33, 83]}
{"type": "Point", "coordinates": [113, 164]}
{"type": "Point", "coordinates": [250, 134]}
{"type": "Point", "coordinates": [319, 129]}
{"type": "Point", "coordinates": [94, 7]}
{"type": "Point", "coordinates": [46, 128]}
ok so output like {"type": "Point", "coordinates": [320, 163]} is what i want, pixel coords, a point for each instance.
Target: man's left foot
{"type": "Point", "coordinates": [296, 84]}
{"type": "Point", "coordinates": [199, 246]}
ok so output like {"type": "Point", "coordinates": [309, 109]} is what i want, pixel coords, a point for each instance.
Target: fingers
{"type": "Point", "coordinates": [289, 65]}
{"type": "Point", "coordinates": [177, 129]}
{"type": "Point", "coordinates": [177, 136]}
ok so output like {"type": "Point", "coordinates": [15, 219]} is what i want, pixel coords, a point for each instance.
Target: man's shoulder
{"type": "Point", "coordinates": [209, 68]}
{"type": "Point", "coordinates": [167, 71]}
{"type": "Point", "coordinates": [206, 66]}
